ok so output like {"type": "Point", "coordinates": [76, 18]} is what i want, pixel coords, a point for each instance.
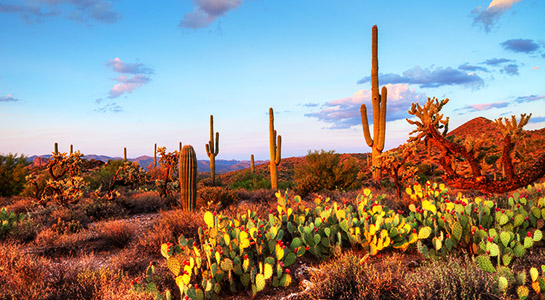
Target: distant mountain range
{"type": "Point", "coordinates": [222, 166]}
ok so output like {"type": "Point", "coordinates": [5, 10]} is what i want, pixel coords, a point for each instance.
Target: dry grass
{"type": "Point", "coordinates": [117, 233]}
{"type": "Point", "coordinates": [451, 278]}
{"type": "Point", "coordinates": [145, 202]}
{"type": "Point", "coordinates": [169, 227]}
{"type": "Point", "coordinates": [344, 277]}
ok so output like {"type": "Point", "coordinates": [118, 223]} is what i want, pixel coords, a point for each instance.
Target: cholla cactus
{"type": "Point", "coordinates": [65, 185]}
{"type": "Point", "coordinates": [168, 162]}
{"type": "Point", "coordinates": [393, 162]}
{"type": "Point", "coordinates": [430, 121]}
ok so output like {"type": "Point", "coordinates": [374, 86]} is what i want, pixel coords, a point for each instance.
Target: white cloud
{"type": "Point", "coordinates": [345, 112]}
{"type": "Point", "coordinates": [207, 11]}
{"type": "Point", "coordinates": [487, 18]}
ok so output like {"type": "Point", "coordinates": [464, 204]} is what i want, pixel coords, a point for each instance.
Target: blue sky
{"type": "Point", "coordinates": [108, 74]}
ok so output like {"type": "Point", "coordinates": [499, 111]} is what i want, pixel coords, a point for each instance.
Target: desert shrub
{"type": "Point", "coordinates": [22, 275]}
{"type": "Point", "coordinates": [425, 169]}
{"type": "Point", "coordinates": [53, 213]}
{"type": "Point", "coordinates": [12, 174]}
{"type": "Point", "coordinates": [169, 227]}
{"type": "Point", "coordinates": [350, 276]}
{"type": "Point", "coordinates": [453, 278]}
{"type": "Point", "coordinates": [145, 202]}
{"type": "Point", "coordinates": [204, 179]}
{"type": "Point", "coordinates": [117, 233]}
{"type": "Point", "coordinates": [325, 170]}
{"type": "Point", "coordinates": [249, 181]}
{"type": "Point", "coordinates": [95, 209]}
{"type": "Point", "coordinates": [218, 197]}
{"type": "Point", "coordinates": [260, 195]}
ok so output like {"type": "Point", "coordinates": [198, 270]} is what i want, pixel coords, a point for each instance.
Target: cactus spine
{"type": "Point", "coordinates": [275, 143]}
{"type": "Point", "coordinates": [252, 164]}
{"type": "Point", "coordinates": [125, 153]}
{"type": "Point", "coordinates": [155, 156]}
{"type": "Point", "coordinates": [188, 178]}
{"type": "Point", "coordinates": [379, 113]}
{"type": "Point", "coordinates": [212, 151]}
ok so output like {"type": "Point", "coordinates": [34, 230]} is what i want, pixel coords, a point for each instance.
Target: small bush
{"type": "Point", "coordinates": [145, 202]}
{"type": "Point", "coordinates": [117, 233]}
{"type": "Point", "coordinates": [218, 197]}
{"type": "Point", "coordinates": [453, 278]}
{"type": "Point", "coordinates": [248, 181]}
{"type": "Point", "coordinates": [12, 174]}
{"type": "Point", "coordinates": [169, 227]}
{"type": "Point", "coordinates": [349, 277]}
{"type": "Point", "coordinates": [325, 170]}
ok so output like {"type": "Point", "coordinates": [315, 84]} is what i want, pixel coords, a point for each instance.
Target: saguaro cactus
{"type": "Point", "coordinates": [275, 143]}
{"type": "Point", "coordinates": [56, 150]}
{"type": "Point", "coordinates": [252, 164]}
{"type": "Point", "coordinates": [71, 149]}
{"type": "Point", "coordinates": [212, 151]}
{"type": "Point", "coordinates": [125, 153]}
{"type": "Point", "coordinates": [188, 178]}
{"type": "Point", "coordinates": [379, 113]}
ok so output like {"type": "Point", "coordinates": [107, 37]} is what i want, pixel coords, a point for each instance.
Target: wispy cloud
{"type": "Point", "coordinates": [511, 69]}
{"type": "Point", "coordinates": [484, 106]}
{"type": "Point", "coordinates": [500, 104]}
{"type": "Point", "coordinates": [431, 78]}
{"type": "Point", "coordinates": [537, 119]}
{"type": "Point", "coordinates": [472, 68]}
{"type": "Point", "coordinates": [535, 68]}
{"type": "Point", "coordinates": [520, 45]}
{"type": "Point", "coordinates": [496, 61]}
{"type": "Point", "coordinates": [134, 76]}
{"type": "Point", "coordinates": [207, 11]}
{"type": "Point", "coordinates": [529, 98]}
{"type": "Point", "coordinates": [110, 107]}
{"type": "Point", "coordinates": [128, 68]}
{"type": "Point", "coordinates": [345, 112]}
{"type": "Point", "coordinates": [489, 17]}
{"type": "Point", "coordinates": [79, 10]}
{"type": "Point", "coordinates": [8, 98]}
{"type": "Point", "coordinates": [310, 105]}
{"type": "Point", "coordinates": [127, 84]}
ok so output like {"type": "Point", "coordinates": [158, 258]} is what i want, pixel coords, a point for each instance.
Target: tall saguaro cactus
{"type": "Point", "coordinates": [379, 113]}
{"type": "Point", "coordinates": [252, 164]}
{"type": "Point", "coordinates": [275, 143]}
{"type": "Point", "coordinates": [56, 148]}
{"type": "Point", "coordinates": [188, 178]}
{"type": "Point", "coordinates": [125, 153]}
{"type": "Point", "coordinates": [212, 151]}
